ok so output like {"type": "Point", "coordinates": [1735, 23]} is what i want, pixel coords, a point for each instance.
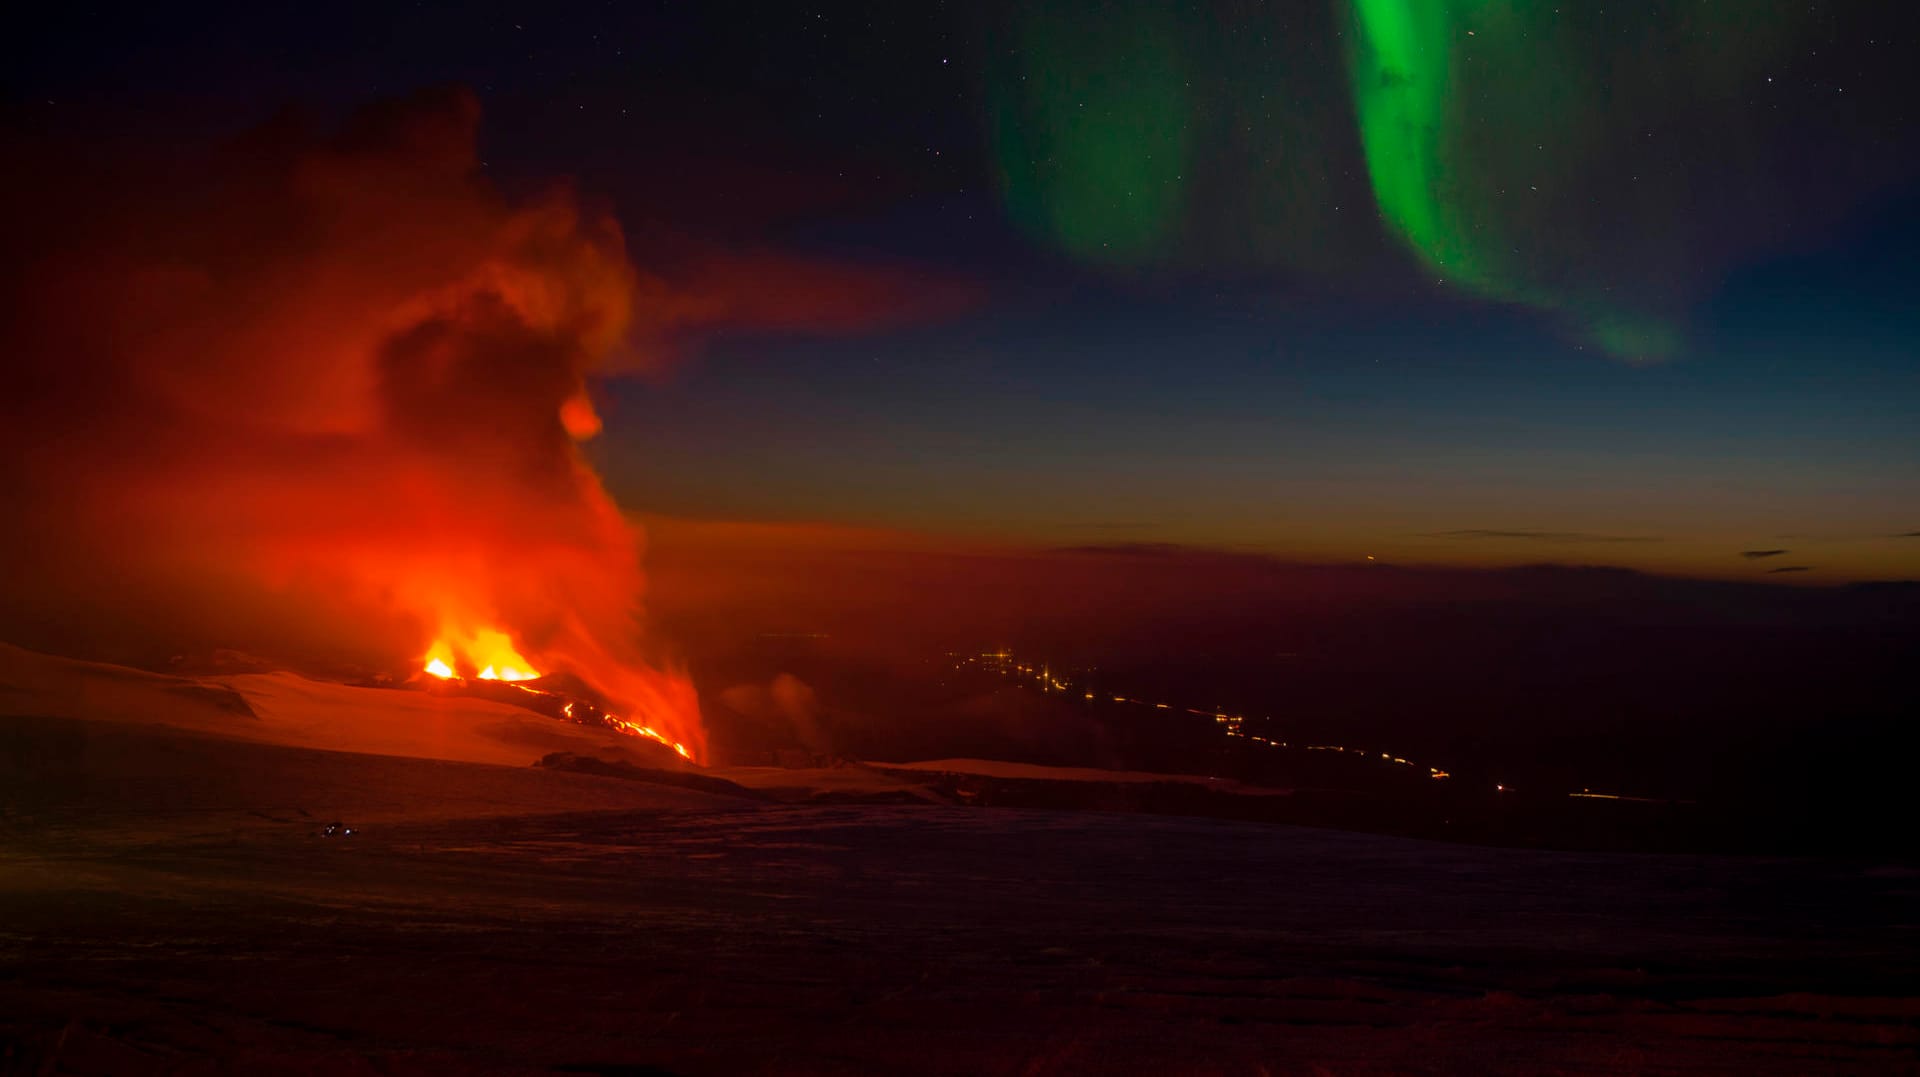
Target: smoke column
{"type": "Point", "coordinates": [321, 391]}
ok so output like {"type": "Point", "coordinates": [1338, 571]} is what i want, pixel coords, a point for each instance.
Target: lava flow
{"type": "Point", "coordinates": [493, 653]}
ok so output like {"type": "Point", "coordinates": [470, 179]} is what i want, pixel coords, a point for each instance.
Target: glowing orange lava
{"type": "Point", "coordinates": [637, 730]}
{"type": "Point", "coordinates": [489, 651]}
{"type": "Point", "coordinates": [493, 653]}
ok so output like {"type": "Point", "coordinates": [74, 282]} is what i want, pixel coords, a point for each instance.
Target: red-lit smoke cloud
{"type": "Point", "coordinates": [322, 390]}
{"type": "Point", "coordinates": [779, 292]}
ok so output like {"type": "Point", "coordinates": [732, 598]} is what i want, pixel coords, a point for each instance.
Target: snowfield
{"type": "Point", "coordinates": [168, 903]}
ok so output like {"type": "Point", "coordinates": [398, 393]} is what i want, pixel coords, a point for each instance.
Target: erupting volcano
{"type": "Point", "coordinates": [492, 653]}
{"type": "Point", "coordinates": [335, 387]}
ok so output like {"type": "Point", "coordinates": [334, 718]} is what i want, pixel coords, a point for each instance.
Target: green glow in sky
{"type": "Point", "coordinates": [1555, 156]}
{"type": "Point", "coordinates": [1402, 83]}
{"type": "Point", "coordinates": [1089, 125]}
{"type": "Point", "coordinates": [1480, 121]}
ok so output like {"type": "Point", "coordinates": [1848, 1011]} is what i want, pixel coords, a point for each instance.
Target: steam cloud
{"type": "Point", "coordinates": [322, 391]}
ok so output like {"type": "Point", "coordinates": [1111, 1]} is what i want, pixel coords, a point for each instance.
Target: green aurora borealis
{"type": "Point", "coordinates": [1522, 153]}
{"type": "Point", "coordinates": [1477, 118]}
{"type": "Point", "coordinates": [1465, 282]}
{"type": "Point", "coordinates": [1091, 126]}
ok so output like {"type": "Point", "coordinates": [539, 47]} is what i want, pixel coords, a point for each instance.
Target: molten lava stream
{"type": "Point", "coordinates": [493, 653]}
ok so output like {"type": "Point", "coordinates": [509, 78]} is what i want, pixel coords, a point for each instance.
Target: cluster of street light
{"type": "Point", "coordinates": [1003, 662]}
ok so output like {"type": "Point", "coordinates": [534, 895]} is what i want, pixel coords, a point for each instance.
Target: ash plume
{"type": "Point", "coordinates": [320, 392]}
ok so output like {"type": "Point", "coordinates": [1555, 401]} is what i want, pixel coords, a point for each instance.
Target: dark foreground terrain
{"type": "Point", "coordinates": [168, 904]}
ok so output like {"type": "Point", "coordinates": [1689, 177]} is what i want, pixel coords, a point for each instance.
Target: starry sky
{"type": "Point", "coordinates": [1438, 281]}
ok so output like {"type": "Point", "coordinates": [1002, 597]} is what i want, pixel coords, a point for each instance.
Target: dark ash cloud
{"type": "Point", "coordinates": [1789, 568]}
{"type": "Point", "coordinates": [1755, 555]}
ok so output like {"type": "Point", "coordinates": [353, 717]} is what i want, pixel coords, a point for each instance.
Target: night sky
{"type": "Point", "coordinates": [1424, 280]}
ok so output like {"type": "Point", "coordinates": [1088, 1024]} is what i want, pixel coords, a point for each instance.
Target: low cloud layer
{"type": "Point", "coordinates": [1538, 536]}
